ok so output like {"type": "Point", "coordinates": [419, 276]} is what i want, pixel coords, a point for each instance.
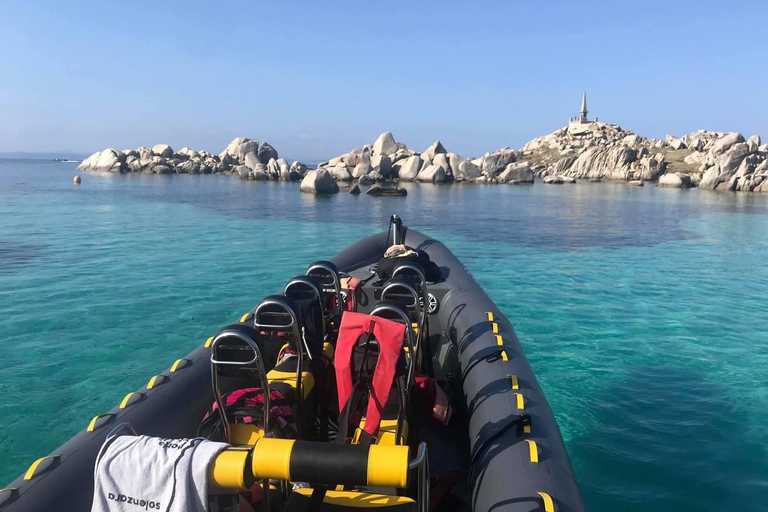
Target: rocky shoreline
{"type": "Point", "coordinates": [589, 150]}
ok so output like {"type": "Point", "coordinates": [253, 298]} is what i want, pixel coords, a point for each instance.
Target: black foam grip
{"type": "Point", "coordinates": [329, 463]}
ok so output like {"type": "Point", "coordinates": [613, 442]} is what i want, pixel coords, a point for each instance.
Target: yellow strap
{"type": "Point", "coordinates": [125, 401]}
{"type": "Point", "coordinates": [499, 340]}
{"type": "Point", "coordinates": [176, 365]}
{"type": "Point", "coordinates": [157, 379]}
{"type": "Point", "coordinates": [244, 318]}
{"type": "Point", "coordinates": [504, 355]}
{"type": "Point", "coordinates": [534, 450]}
{"type": "Point", "coordinates": [490, 316]}
{"type": "Point", "coordinates": [208, 342]}
{"type": "Point", "coordinates": [520, 401]}
{"type": "Point", "coordinates": [515, 384]}
{"type": "Point", "coordinates": [549, 505]}
{"type": "Point", "coordinates": [31, 471]}
{"type": "Point", "coordinates": [92, 424]}
{"type": "Point", "coordinates": [495, 327]}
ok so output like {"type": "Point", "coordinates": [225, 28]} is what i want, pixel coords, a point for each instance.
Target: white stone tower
{"type": "Point", "coordinates": [583, 113]}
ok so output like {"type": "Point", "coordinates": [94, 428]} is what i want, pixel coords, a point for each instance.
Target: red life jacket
{"type": "Point", "coordinates": [390, 335]}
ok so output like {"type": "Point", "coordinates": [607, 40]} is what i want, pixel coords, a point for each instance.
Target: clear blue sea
{"type": "Point", "coordinates": [643, 311]}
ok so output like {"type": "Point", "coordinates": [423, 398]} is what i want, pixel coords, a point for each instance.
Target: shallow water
{"type": "Point", "coordinates": [642, 310]}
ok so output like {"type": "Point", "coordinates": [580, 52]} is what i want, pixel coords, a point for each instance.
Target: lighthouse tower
{"type": "Point", "coordinates": [581, 125]}
{"type": "Point", "coordinates": [583, 112]}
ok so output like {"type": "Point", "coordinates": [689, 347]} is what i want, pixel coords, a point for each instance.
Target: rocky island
{"type": "Point", "coordinates": [584, 149]}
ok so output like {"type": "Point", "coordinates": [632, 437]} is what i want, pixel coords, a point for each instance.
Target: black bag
{"type": "Point", "coordinates": [386, 266]}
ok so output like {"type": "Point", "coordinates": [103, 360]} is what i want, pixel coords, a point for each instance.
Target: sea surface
{"type": "Point", "coordinates": [643, 311]}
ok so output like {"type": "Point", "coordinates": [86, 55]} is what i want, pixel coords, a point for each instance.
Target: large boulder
{"type": "Point", "coordinates": [133, 165]}
{"type": "Point", "coordinates": [161, 168]}
{"type": "Point", "coordinates": [434, 149]}
{"type": "Point", "coordinates": [695, 158]}
{"type": "Point", "coordinates": [441, 159]}
{"type": "Point", "coordinates": [753, 143]}
{"type": "Point", "coordinates": [385, 145]}
{"type": "Point", "coordinates": [675, 143]}
{"type": "Point", "coordinates": [266, 153]}
{"type": "Point", "coordinates": [381, 164]}
{"type": "Point", "coordinates": [600, 162]}
{"type": "Point", "coordinates": [189, 153]}
{"type": "Point", "coordinates": [432, 174]}
{"type": "Point", "coordinates": [379, 190]}
{"type": "Point", "coordinates": [649, 168]}
{"type": "Point", "coordinates": [251, 160]}
{"type": "Point", "coordinates": [238, 148]}
{"type": "Point", "coordinates": [284, 169]}
{"type": "Point", "coordinates": [298, 170]}
{"type": "Point", "coordinates": [188, 167]}
{"type": "Point", "coordinates": [674, 180]}
{"type": "Point", "coordinates": [352, 158]}
{"type": "Point", "coordinates": [363, 166]}
{"type": "Point", "coordinates": [401, 154]}
{"type": "Point", "coordinates": [724, 143]}
{"type": "Point", "coordinates": [454, 162]}
{"type": "Point", "coordinates": [564, 164]}
{"type": "Point", "coordinates": [494, 163]}
{"type": "Point", "coordinates": [519, 172]}
{"type": "Point", "coordinates": [410, 168]}
{"type": "Point", "coordinates": [242, 172]}
{"type": "Point", "coordinates": [318, 181]}
{"type": "Point", "coordinates": [273, 170]}
{"type": "Point", "coordinates": [108, 160]}
{"type": "Point", "coordinates": [468, 171]}
{"type": "Point", "coordinates": [340, 173]}
{"type": "Point", "coordinates": [725, 166]}
{"type": "Point", "coordinates": [163, 150]}
{"type": "Point", "coordinates": [259, 172]}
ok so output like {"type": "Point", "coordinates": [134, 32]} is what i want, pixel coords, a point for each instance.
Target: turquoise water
{"type": "Point", "coordinates": [644, 312]}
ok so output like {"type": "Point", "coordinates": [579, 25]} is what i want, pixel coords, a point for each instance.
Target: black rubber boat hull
{"type": "Point", "coordinates": [504, 476]}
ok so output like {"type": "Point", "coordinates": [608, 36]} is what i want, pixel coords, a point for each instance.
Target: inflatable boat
{"type": "Point", "coordinates": [400, 388]}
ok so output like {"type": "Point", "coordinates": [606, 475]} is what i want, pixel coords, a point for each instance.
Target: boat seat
{"type": "Point", "coordinates": [283, 379]}
{"type": "Point", "coordinates": [376, 424]}
{"type": "Point", "coordinates": [387, 435]}
{"type": "Point", "coordinates": [398, 311]}
{"type": "Point", "coordinates": [339, 501]}
{"type": "Point", "coordinates": [238, 362]}
{"type": "Point", "coordinates": [279, 320]}
{"type": "Point", "coordinates": [306, 292]}
{"type": "Point", "coordinates": [327, 274]}
{"type": "Point", "coordinates": [410, 291]}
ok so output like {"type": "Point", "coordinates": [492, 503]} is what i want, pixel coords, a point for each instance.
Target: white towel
{"type": "Point", "coordinates": [135, 473]}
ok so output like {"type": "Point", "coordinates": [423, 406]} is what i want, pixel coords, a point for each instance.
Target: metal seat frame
{"type": "Point", "coordinates": [330, 269]}
{"type": "Point", "coordinates": [309, 283]}
{"type": "Point", "coordinates": [301, 345]}
{"type": "Point", "coordinates": [403, 388]}
{"type": "Point", "coordinates": [257, 359]}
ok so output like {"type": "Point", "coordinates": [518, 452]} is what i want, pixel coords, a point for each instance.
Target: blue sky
{"type": "Point", "coordinates": [316, 79]}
